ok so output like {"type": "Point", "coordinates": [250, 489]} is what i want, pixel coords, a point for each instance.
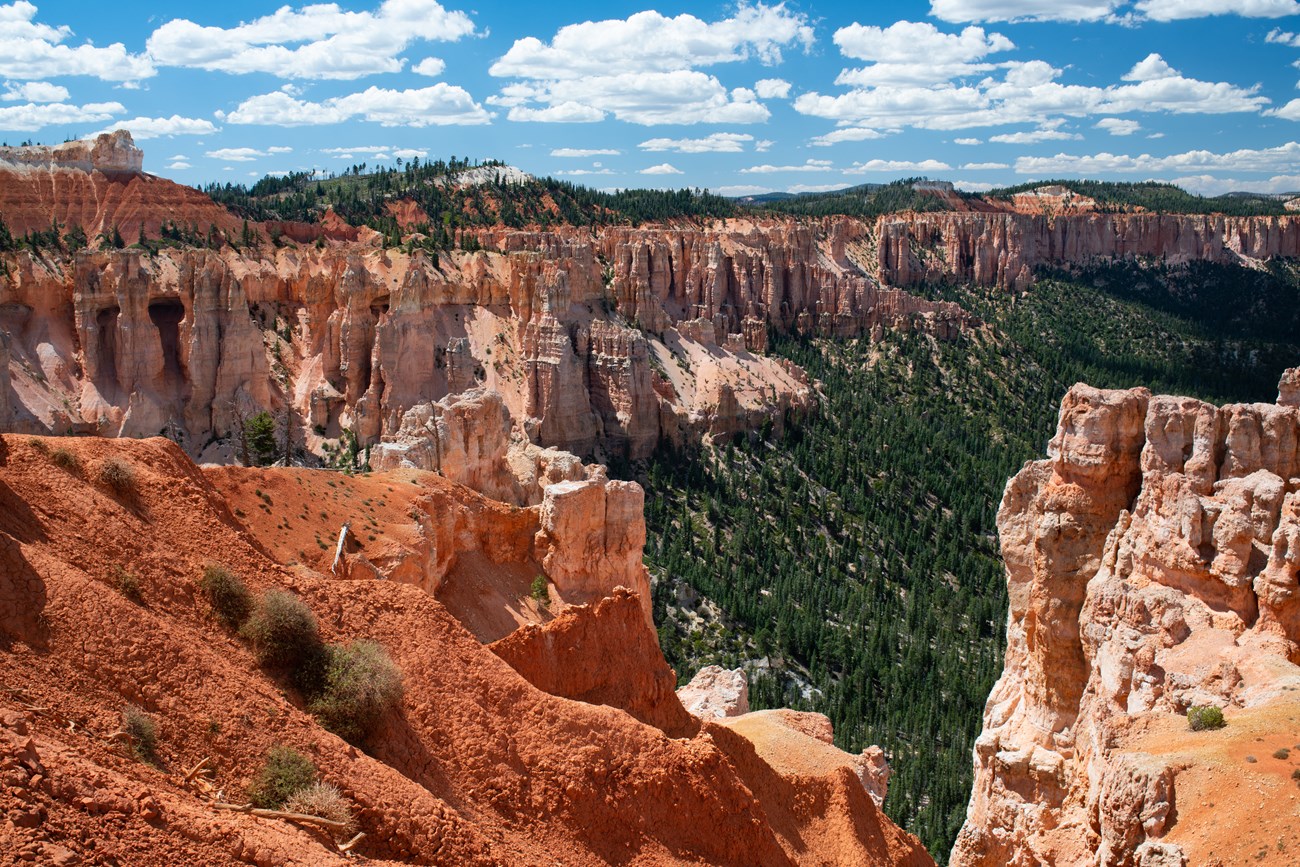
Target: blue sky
{"type": "Point", "coordinates": [735, 97]}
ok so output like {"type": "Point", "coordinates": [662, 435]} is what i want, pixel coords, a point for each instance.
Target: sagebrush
{"type": "Point", "coordinates": [361, 682]}
{"type": "Point", "coordinates": [283, 633]}
{"type": "Point", "coordinates": [1205, 718]}
{"type": "Point", "coordinates": [285, 773]}
{"type": "Point", "coordinates": [327, 802]}
{"type": "Point", "coordinates": [227, 593]}
{"type": "Point", "coordinates": [143, 731]}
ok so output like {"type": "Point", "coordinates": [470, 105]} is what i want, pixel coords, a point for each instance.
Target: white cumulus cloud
{"type": "Point", "coordinates": [644, 69]}
{"type": "Point", "coordinates": [809, 166]}
{"type": "Point", "coordinates": [318, 41]}
{"type": "Point", "coordinates": [582, 153]}
{"type": "Point", "coordinates": [1023, 10]}
{"type": "Point", "coordinates": [245, 154]}
{"type": "Point", "coordinates": [897, 166]}
{"type": "Point", "coordinates": [154, 127]}
{"type": "Point", "coordinates": [32, 50]}
{"type": "Point", "coordinates": [719, 142]}
{"type": "Point", "coordinates": [662, 169]}
{"type": "Point", "coordinates": [439, 105]}
{"type": "Point", "coordinates": [34, 116]}
{"type": "Point", "coordinates": [1118, 126]}
{"type": "Point", "coordinates": [772, 88]}
{"type": "Point", "coordinates": [1283, 158]}
{"type": "Point", "coordinates": [850, 133]}
{"type": "Point", "coordinates": [1173, 10]}
{"type": "Point", "coordinates": [34, 91]}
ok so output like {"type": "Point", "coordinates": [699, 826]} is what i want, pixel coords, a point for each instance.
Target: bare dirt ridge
{"type": "Point", "coordinates": [477, 766]}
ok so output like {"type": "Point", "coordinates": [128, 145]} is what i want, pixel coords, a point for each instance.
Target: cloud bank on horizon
{"type": "Point", "coordinates": [740, 98]}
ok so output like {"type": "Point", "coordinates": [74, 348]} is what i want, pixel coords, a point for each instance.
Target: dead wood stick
{"type": "Point", "coordinates": [195, 770]}
{"type": "Point", "coordinates": [347, 847]}
{"type": "Point", "coordinates": [301, 818]}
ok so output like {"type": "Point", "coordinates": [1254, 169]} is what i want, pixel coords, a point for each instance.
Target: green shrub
{"type": "Point", "coordinates": [117, 474]}
{"type": "Point", "coordinates": [284, 634]}
{"type": "Point", "coordinates": [361, 683]}
{"type": "Point", "coordinates": [227, 594]}
{"type": "Point", "coordinates": [539, 591]}
{"type": "Point", "coordinates": [285, 773]}
{"type": "Point", "coordinates": [67, 460]}
{"type": "Point", "coordinates": [1207, 717]}
{"type": "Point", "coordinates": [1282, 753]}
{"type": "Point", "coordinates": [325, 801]}
{"type": "Point", "coordinates": [128, 584]}
{"type": "Point", "coordinates": [143, 731]}
{"type": "Point", "coordinates": [39, 444]}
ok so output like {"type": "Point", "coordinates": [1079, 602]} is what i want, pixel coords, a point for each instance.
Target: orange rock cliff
{"type": "Point", "coordinates": [1152, 565]}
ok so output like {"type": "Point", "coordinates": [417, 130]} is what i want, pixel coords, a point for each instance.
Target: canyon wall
{"type": "Point", "coordinates": [1152, 565]}
{"type": "Point", "coordinates": [612, 344]}
{"type": "Point", "coordinates": [1004, 249]}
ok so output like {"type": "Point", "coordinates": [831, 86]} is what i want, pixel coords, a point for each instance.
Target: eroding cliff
{"type": "Point", "coordinates": [1152, 565]}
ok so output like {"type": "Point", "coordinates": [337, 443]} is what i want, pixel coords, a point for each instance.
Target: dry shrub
{"type": "Point", "coordinates": [325, 801]}
{"type": "Point", "coordinates": [283, 633]}
{"type": "Point", "coordinates": [227, 594]}
{"type": "Point", "coordinates": [1203, 718]}
{"type": "Point", "coordinates": [66, 459]}
{"type": "Point", "coordinates": [361, 683]}
{"type": "Point", "coordinates": [128, 584]}
{"type": "Point", "coordinates": [143, 731]}
{"type": "Point", "coordinates": [117, 475]}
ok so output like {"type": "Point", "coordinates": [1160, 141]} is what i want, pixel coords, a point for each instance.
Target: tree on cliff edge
{"type": "Point", "coordinates": [259, 435]}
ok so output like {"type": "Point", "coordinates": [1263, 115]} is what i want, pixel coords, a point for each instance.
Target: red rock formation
{"type": "Point", "coordinates": [1152, 566]}
{"type": "Point", "coordinates": [476, 767]}
{"type": "Point", "coordinates": [601, 653]}
{"type": "Point", "coordinates": [99, 186]}
{"type": "Point", "coordinates": [1003, 249]}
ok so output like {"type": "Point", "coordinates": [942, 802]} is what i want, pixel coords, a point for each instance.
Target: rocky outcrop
{"type": "Point", "coordinates": [107, 153]}
{"type": "Point", "coordinates": [716, 692]}
{"type": "Point", "coordinates": [464, 437]}
{"type": "Point", "coordinates": [591, 538]}
{"type": "Point", "coordinates": [1151, 566]}
{"type": "Point", "coordinates": [351, 339]}
{"type": "Point", "coordinates": [601, 653]}
{"type": "Point", "coordinates": [99, 186]}
{"type": "Point", "coordinates": [1004, 249]}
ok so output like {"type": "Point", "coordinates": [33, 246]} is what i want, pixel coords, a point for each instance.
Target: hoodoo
{"type": "Point", "coordinates": [1152, 565]}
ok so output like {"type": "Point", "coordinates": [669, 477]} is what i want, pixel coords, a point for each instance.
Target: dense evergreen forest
{"type": "Point", "coordinates": [852, 567]}
{"type": "Point", "coordinates": [1158, 197]}
{"type": "Point", "coordinates": [866, 200]}
{"type": "Point", "coordinates": [501, 196]}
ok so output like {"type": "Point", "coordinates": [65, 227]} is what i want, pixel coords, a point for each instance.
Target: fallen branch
{"type": "Point", "coordinates": [347, 847]}
{"type": "Point", "coordinates": [200, 767]}
{"type": "Point", "coordinates": [301, 818]}
{"type": "Point", "coordinates": [121, 735]}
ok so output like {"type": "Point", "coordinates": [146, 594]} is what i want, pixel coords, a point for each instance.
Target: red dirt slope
{"type": "Point", "coordinates": [476, 767]}
{"type": "Point", "coordinates": [97, 202]}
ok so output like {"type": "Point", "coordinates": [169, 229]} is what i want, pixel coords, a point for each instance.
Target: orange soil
{"type": "Point", "coordinates": [476, 766]}
{"type": "Point", "coordinates": [1230, 810]}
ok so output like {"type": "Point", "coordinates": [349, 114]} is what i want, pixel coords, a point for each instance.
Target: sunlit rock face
{"type": "Point", "coordinates": [1152, 564]}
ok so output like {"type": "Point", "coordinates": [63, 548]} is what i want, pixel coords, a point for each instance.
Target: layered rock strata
{"type": "Point", "coordinates": [1152, 565]}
